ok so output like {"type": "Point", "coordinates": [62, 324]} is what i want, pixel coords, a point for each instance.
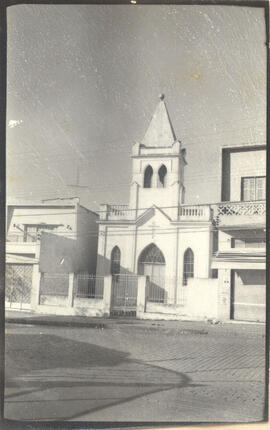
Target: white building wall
{"type": "Point", "coordinates": [244, 164]}
{"type": "Point", "coordinates": [20, 216]}
{"type": "Point", "coordinates": [198, 239]}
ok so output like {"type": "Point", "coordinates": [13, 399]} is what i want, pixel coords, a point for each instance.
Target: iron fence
{"type": "Point", "coordinates": [124, 294]}
{"type": "Point", "coordinates": [18, 284]}
{"type": "Point", "coordinates": [90, 286]}
{"type": "Point", "coordinates": [157, 289]}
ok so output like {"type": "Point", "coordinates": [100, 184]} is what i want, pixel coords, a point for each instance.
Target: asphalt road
{"type": "Point", "coordinates": [157, 372]}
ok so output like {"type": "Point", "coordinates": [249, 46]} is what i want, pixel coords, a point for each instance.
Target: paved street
{"type": "Point", "coordinates": [149, 371]}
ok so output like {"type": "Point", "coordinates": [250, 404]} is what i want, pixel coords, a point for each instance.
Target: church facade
{"type": "Point", "coordinates": [157, 235]}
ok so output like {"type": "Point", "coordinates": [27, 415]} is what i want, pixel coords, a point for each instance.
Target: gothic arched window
{"type": "Point", "coordinates": [115, 261]}
{"type": "Point", "coordinates": [151, 255]}
{"type": "Point", "coordinates": [188, 271]}
{"type": "Point", "coordinates": [148, 174]}
{"type": "Point", "coordinates": [162, 176]}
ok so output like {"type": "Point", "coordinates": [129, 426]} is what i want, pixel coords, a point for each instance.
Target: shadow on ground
{"type": "Point", "coordinates": [52, 378]}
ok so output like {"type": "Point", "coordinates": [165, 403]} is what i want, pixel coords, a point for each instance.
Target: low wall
{"type": "Point", "coordinates": [200, 302]}
{"type": "Point", "coordinates": [81, 306]}
{"type": "Point", "coordinates": [163, 309]}
{"type": "Point", "coordinates": [202, 298]}
{"type": "Point", "coordinates": [53, 300]}
{"type": "Point", "coordinates": [89, 307]}
{"type": "Point", "coordinates": [17, 306]}
{"type": "Point", "coordinates": [70, 304]}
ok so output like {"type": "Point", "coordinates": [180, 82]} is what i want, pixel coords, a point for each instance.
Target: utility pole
{"type": "Point", "coordinates": [77, 184]}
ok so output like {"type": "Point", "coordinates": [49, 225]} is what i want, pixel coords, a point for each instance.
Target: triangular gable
{"type": "Point", "coordinates": [154, 211]}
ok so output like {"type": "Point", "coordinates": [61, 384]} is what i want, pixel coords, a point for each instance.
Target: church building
{"type": "Point", "coordinates": [157, 234]}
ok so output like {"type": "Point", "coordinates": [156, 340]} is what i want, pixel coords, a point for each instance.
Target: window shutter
{"type": "Point", "coordinates": [260, 188]}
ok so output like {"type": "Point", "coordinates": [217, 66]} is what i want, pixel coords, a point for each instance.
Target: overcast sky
{"type": "Point", "coordinates": [83, 82]}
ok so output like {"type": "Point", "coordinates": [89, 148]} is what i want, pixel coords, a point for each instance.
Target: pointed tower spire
{"type": "Point", "coordinates": [160, 131]}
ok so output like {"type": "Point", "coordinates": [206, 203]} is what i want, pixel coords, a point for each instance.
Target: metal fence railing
{"type": "Point", "coordinates": [18, 284]}
{"type": "Point", "coordinates": [157, 289]}
{"type": "Point", "coordinates": [124, 294]}
{"type": "Point", "coordinates": [90, 286]}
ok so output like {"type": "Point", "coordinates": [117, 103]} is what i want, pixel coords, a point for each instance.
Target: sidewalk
{"type": "Point", "coordinates": [20, 317]}
{"type": "Point", "coordinates": [179, 327]}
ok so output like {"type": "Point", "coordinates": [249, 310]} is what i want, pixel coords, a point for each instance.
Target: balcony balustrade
{"type": "Point", "coordinates": [195, 213]}
{"type": "Point", "coordinates": [225, 213]}
{"type": "Point", "coordinates": [116, 212]}
{"type": "Point", "coordinates": [240, 213]}
{"type": "Point", "coordinates": [186, 212]}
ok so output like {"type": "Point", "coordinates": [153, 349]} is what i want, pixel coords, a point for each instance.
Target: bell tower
{"type": "Point", "coordinates": [158, 163]}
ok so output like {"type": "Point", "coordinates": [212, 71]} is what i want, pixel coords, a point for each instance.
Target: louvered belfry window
{"type": "Point", "coordinates": [162, 176]}
{"type": "Point", "coordinates": [148, 174]}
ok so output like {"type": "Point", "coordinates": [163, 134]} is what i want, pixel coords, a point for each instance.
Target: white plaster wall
{"type": "Point", "coordinates": [47, 215]}
{"type": "Point", "coordinates": [95, 310]}
{"type": "Point", "coordinates": [202, 298]}
{"type": "Point", "coordinates": [224, 241]}
{"type": "Point", "coordinates": [124, 238]}
{"type": "Point", "coordinates": [146, 197]}
{"type": "Point", "coordinates": [158, 230]}
{"type": "Point", "coordinates": [163, 235]}
{"type": "Point", "coordinates": [164, 309]}
{"type": "Point", "coordinates": [199, 241]}
{"type": "Point", "coordinates": [53, 300]}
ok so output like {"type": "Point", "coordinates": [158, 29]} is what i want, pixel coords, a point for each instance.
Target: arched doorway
{"type": "Point", "coordinates": [152, 263]}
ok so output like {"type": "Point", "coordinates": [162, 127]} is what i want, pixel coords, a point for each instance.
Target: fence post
{"type": "Point", "coordinates": [107, 292]}
{"type": "Point", "coordinates": [35, 291]}
{"type": "Point", "coordinates": [141, 296]}
{"type": "Point", "coordinates": [71, 285]}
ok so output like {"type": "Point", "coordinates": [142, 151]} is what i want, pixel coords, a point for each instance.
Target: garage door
{"type": "Point", "coordinates": [248, 295]}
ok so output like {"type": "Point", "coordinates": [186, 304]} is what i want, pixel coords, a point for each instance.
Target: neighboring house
{"type": "Point", "coordinates": [241, 224]}
{"type": "Point", "coordinates": [173, 244]}
{"type": "Point", "coordinates": [57, 236]}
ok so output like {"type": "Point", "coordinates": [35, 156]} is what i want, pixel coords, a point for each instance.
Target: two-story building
{"type": "Point", "coordinates": [241, 224]}
{"type": "Point", "coordinates": [54, 237]}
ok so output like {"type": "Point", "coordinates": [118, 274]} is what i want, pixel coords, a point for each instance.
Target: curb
{"type": "Point", "coordinates": [58, 323]}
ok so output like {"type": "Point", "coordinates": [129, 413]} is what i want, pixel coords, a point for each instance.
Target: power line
{"type": "Point", "coordinates": [128, 233]}
{"type": "Point", "coordinates": [120, 147]}
{"type": "Point", "coordinates": [193, 179]}
{"type": "Point", "coordinates": [120, 209]}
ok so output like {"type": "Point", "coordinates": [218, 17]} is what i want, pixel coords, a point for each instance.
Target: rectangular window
{"type": "Point", "coordinates": [253, 188]}
{"type": "Point", "coordinates": [214, 274]}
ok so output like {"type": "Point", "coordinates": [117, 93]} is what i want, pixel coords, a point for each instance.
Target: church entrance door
{"type": "Point", "coordinates": [124, 295]}
{"type": "Point", "coordinates": [151, 263]}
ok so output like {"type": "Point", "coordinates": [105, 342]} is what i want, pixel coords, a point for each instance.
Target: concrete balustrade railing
{"type": "Point", "coordinates": [195, 212]}
{"type": "Point", "coordinates": [115, 212]}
